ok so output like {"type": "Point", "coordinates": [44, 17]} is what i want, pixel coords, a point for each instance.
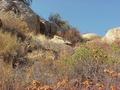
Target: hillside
{"type": "Point", "coordinates": [39, 54]}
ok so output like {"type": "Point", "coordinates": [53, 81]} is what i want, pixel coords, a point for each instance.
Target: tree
{"type": "Point", "coordinates": [27, 2]}
{"type": "Point", "coordinates": [56, 18]}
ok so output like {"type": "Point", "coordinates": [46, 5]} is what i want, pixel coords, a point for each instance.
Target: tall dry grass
{"type": "Point", "coordinates": [93, 66]}
{"type": "Point", "coordinates": [8, 43]}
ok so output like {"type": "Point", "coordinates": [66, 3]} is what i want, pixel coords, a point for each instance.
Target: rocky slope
{"type": "Point", "coordinates": [51, 62]}
{"type": "Point", "coordinates": [18, 17]}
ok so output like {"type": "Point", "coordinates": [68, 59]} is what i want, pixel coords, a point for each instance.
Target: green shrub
{"type": "Point", "coordinates": [89, 60]}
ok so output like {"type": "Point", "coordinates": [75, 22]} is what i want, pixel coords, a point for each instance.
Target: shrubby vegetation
{"type": "Point", "coordinates": [57, 19]}
{"type": "Point", "coordinates": [67, 32]}
{"type": "Point", "coordinates": [71, 35]}
{"type": "Point", "coordinates": [38, 64]}
{"type": "Point", "coordinates": [91, 65]}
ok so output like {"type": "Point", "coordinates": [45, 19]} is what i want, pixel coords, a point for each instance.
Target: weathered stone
{"type": "Point", "coordinates": [90, 36]}
{"type": "Point", "coordinates": [113, 35]}
{"type": "Point", "coordinates": [60, 40]}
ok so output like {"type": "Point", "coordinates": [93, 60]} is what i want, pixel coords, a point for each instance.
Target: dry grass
{"type": "Point", "coordinates": [93, 66]}
{"type": "Point", "coordinates": [8, 43]}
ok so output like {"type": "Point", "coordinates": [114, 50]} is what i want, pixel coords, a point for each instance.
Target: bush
{"type": "Point", "coordinates": [90, 60]}
{"type": "Point", "coordinates": [57, 19]}
{"type": "Point", "coordinates": [71, 35]}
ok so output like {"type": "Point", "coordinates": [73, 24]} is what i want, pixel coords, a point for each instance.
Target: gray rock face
{"type": "Point", "coordinates": [17, 15]}
{"type": "Point", "coordinates": [113, 35]}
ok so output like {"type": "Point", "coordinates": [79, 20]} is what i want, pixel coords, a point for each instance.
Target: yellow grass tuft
{"type": "Point", "coordinates": [8, 43]}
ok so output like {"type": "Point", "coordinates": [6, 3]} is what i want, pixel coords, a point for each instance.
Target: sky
{"type": "Point", "coordinates": [88, 16]}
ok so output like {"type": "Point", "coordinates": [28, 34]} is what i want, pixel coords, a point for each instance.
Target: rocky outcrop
{"type": "Point", "coordinates": [90, 36]}
{"type": "Point", "coordinates": [60, 40]}
{"type": "Point", "coordinates": [113, 35]}
{"type": "Point", "coordinates": [45, 46]}
{"type": "Point", "coordinates": [48, 28]}
{"type": "Point", "coordinates": [15, 14]}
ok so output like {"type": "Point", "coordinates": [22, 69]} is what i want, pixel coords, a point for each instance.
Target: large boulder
{"type": "Point", "coordinates": [15, 14]}
{"type": "Point", "coordinates": [113, 35]}
{"type": "Point", "coordinates": [90, 36]}
{"type": "Point", "coordinates": [60, 40]}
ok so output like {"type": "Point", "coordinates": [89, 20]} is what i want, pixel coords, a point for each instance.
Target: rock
{"type": "Point", "coordinates": [54, 28]}
{"type": "Point", "coordinates": [15, 14]}
{"type": "Point", "coordinates": [57, 39]}
{"type": "Point", "coordinates": [60, 40]}
{"type": "Point", "coordinates": [48, 28]}
{"type": "Point", "coordinates": [90, 36]}
{"type": "Point", "coordinates": [113, 35]}
{"type": "Point", "coordinates": [45, 46]}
